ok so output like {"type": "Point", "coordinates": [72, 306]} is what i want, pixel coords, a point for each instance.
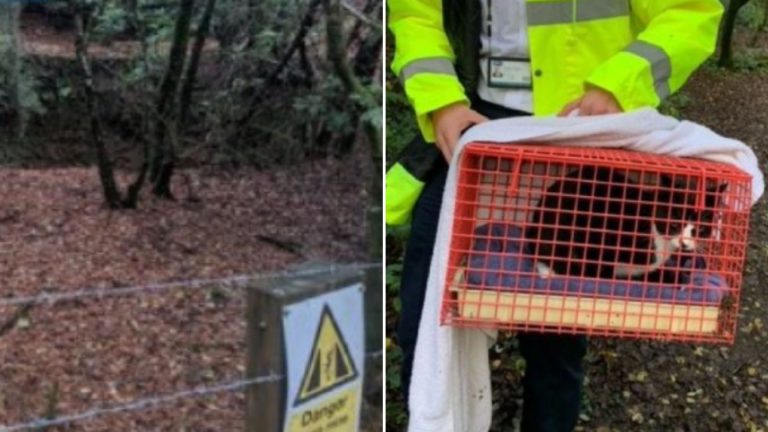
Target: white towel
{"type": "Point", "coordinates": [450, 386]}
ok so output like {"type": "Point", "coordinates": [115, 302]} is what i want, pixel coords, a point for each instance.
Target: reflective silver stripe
{"type": "Point", "coordinates": [546, 13]}
{"type": "Point", "coordinates": [588, 10]}
{"type": "Point", "coordinates": [437, 65]}
{"type": "Point", "coordinates": [661, 68]}
{"type": "Point", "coordinates": [562, 12]}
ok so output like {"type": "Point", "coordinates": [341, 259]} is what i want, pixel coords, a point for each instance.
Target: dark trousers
{"type": "Point", "coordinates": [553, 374]}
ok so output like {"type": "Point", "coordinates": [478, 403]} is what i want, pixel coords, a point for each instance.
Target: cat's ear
{"type": "Point", "coordinates": [722, 187]}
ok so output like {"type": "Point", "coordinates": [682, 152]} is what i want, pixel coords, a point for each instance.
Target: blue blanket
{"type": "Point", "coordinates": [498, 262]}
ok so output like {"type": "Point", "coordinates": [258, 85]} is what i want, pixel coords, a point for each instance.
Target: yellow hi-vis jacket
{"type": "Point", "coordinates": [639, 50]}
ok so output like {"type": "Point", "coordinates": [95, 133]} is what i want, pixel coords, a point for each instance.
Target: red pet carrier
{"type": "Point", "coordinates": [598, 242]}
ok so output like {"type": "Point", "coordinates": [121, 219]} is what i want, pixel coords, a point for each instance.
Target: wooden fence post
{"type": "Point", "coordinates": [266, 351]}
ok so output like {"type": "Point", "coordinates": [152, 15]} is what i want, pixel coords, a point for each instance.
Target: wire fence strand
{"type": "Point", "coordinates": [360, 15]}
{"type": "Point", "coordinates": [142, 404]}
{"type": "Point", "coordinates": [78, 294]}
{"type": "Point", "coordinates": [157, 400]}
{"type": "Point", "coordinates": [151, 402]}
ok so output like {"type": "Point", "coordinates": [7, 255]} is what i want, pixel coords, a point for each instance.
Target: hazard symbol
{"type": "Point", "coordinates": [330, 363]}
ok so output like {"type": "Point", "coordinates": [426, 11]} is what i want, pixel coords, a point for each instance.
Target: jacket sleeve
{"type": "Point", "coordinates": [676, 37]}
{"type": "Point", "coordinates": [424, 59]}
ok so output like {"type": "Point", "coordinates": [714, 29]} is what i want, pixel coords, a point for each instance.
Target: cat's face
{"type": "Point", "coordinates": [681, 226]}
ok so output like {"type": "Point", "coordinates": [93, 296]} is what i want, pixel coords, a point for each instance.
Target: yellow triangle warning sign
{"type": "Point", "coordinates": [330, 364]}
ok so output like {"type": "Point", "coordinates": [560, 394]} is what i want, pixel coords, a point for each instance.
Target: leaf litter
{"type": "Point", "coordinates": [56, 236]}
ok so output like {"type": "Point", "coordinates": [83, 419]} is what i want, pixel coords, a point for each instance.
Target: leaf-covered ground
{"type": "Point", "coordinates": [56, 236]}
{"type": "Point", "coordinates": [644, 386]}
{"type": "Point", "coordinates": [656, 386]}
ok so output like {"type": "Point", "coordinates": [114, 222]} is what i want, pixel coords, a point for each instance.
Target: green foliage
{"type": "Point", "coordinates": [372, 111]}
{"type": "Point", "coordinates": [263, 40]}
{"type": "Point", "coordinates": [374, 116]}
{"type": "Point", "coordinates": [327, 105]}
{"type": "Point", "coordinates": [28, 97]}
{"type": "Point", "coordinates": [711, 67]}
{"type": "Point", "coordinates": [396, 412]}
{"type": "Point", "coordinates": [112, 19]}
{"type": "Point", "coordinates": [397, 236]}
{"type": "Point", "coordinates": [236, 23]}
{"type": "Point", "coordinates": [303, 112]}
{"type": "Point", "coordinates": [675, 104]}
{"type": "Point", "coordinates": [159, 27]}
{"type": "Point", "coordinates": [393, 273]}
{"type": "Point", "coordinates": [15, 77]}
{"type": "Point", "coordinates": [745, 59]}
{"type": "Point", "coordinates": [750, 60]}
{"type": "Point", "coordinates": [401, 129]}
{"type": "Point", "coordinates": [133, 75]}
{"type": "Point", "coordinates": [751, 14]}
{"type": "Point", "coordinates": [401, 124]}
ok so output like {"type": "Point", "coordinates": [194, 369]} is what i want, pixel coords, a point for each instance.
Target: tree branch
{"type": "Point", "coordinates": [194, 61]}
{"type": "Point", "coordinates": [106, 173]}
{"type": "Point", "coordinates": [258, 95]}
{"type": "Point", "coordinates": [359, 15]}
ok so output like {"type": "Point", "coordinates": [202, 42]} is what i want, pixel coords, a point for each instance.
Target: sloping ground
{"type": "Point", "coordinates": [654, 386]}
{"type": "Point", "coordinates": [55, 236]}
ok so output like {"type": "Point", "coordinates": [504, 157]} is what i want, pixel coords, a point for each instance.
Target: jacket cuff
{"type": "Point", "coordinates": [428, 92]}
{"type": "Point", "coordinates": [637, 77]}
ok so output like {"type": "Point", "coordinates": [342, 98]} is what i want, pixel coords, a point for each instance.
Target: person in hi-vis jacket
{"type": "Point", "coordinates": [461, 62]}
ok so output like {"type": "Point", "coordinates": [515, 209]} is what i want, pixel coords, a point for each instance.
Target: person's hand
{"type": "Point", "coordinates": [449, 122]}
{"type": "Point", "coordinates": [595, 101]}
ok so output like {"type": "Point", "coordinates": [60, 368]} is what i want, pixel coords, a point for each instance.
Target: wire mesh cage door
{"type": "Point", "coordinates": [596, 241]}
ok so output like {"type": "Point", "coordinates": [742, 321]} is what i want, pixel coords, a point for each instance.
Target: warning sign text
{"type": "Point", "coordinates": [332, 414]}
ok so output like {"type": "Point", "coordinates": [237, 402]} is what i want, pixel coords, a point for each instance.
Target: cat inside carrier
{"type": "Point", "coordinates": [596, 241]}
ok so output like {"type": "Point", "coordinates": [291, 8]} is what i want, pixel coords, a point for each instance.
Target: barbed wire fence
{"type": "Point", "coordinates": [155, 401]}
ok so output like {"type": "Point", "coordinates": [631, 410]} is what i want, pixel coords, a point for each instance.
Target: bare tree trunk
{"type": "Point", "coordinates": [106, 173]}
{"type": "Point", "coordinates": [18, 79]}
{"type": "Point", "coordinates": [137, 22]}
{"type": "Point", "coordinates": [357, 30]}
{"type": "Point", "coordinates": [726, 35]}
{"type": "Point", "coordinates": [132, 195]}
{"type": "Point", "coordinates": [254, 15]}
{"type": "Point", "coordinates": [164, 157]}
{"type": "Point", "coordinates": [194, 61]}
{"type": "Point", "coordinates": [10, 48]}
{"type": "Point", "coordinates": [258, 93]}
{"type": "Point", "coordinates": [337, 54]}
{"type": "Point", "coordinates": [366, 62]}
{"type": "Point", "coordinates": [306, 65]}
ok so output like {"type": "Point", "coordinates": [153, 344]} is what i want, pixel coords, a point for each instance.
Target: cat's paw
{"type": "Point", "coordinates": [544, 271]}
